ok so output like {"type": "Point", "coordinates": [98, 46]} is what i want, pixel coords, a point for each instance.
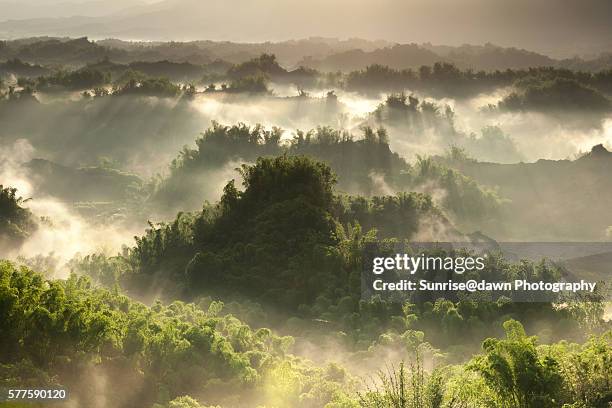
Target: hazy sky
{"type": "Point", "coordinates": [554, 26]}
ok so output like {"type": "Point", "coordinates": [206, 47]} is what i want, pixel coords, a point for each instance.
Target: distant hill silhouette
{"type": "Point", "coordinates": [560, 199]}
{"type": "Point", "coordinates": [325, 54]}
{"type": "Point", "coordinates": [398, 56]}
{"type": "Point", "coordinates": [487, 57]}
{"type": "Point", "coordinates": [83, 183]}
{"type": "Point", "coordinates": [551, 27]}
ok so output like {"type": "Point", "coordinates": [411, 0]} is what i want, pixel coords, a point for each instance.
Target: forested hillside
{"type": "Point", "coordinates": [67, 333]}
{"type": "Point", "coordinates": [363, 165]}
{"type": "Point", "coordinates": [199, 224]}
{"type": "Point", "coordinates": [288, 243]}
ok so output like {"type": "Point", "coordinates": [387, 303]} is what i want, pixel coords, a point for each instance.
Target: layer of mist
{"type": "Point", "coordinates": [187, 225]}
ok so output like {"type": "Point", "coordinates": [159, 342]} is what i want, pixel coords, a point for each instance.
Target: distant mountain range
{"type": "Point", "coordinates": [324, 54]}
{"type": "Point", "coordinates": [557, 29]}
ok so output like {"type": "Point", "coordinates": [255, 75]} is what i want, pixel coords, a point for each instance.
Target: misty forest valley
{"type": "Point", "coordinates": [183, 223]}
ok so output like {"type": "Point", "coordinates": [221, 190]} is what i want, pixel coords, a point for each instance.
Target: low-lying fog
{"type": "Point", "coordinates": [143, 136]}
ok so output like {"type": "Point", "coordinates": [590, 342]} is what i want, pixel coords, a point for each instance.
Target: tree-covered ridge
{"type": "Point", "coordinates": [363, 166]}
{"type": "Point", "coordinates": [258, 270]}
{"type": "Point", "coordinates": [95, 82]}
{"type": "Point", "coordinates": [80, 79]}
{"type": "Point", "coordinates": [22, 69]}
{"type": "Point", "coordinates": [67, 333]}
{"type": "Point", "coordinates": [444, 79]}
{"type": "Point", "coordinates": [433, 77]}
{"type": "Point", "coordinates": [558, 94]}
{"type": "Point", "coordinates": [16, 222]}
{"type": "Point", "coordinates": [286, 225]}
{"type": "Point", "coordinates": [100, 127]}
{"type": "Point", "coordinates": [56, 333]}
{"type": "Point", "coordinates": [288, 241]}
{"type": "Point", "coordinates": [325, 54]}
{"type": "Point", "coordinates": [176, 71]}
{"type": "Point", "coordinates": [418, 121]}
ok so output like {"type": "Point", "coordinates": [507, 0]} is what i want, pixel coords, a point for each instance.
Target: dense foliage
{"type": "Point", "coordinates": [161, 87]}
{"type": "Point", "coordinates": [363, 166]}
{"type": "Point", "coordinates": [16, 222]}
{"type": "Point", "coordinates": [69, 334]}
{"type": "Point", "coordinates": [254, 294]}
{"type": "Point", "coordinates": [444, 79]}
{"type": "Point", "coordinates": [513, 372]}
{"type": "Point", "coordinates": [288, 241]}
{"type": "Point", "coordinates": [554, 95]}
{"type": "Point", "coordinates": [435, 77]}
{"type": "Point", "coordinates": [91, 341]}
{"type": "Point", "coordinates": [80, 79]}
